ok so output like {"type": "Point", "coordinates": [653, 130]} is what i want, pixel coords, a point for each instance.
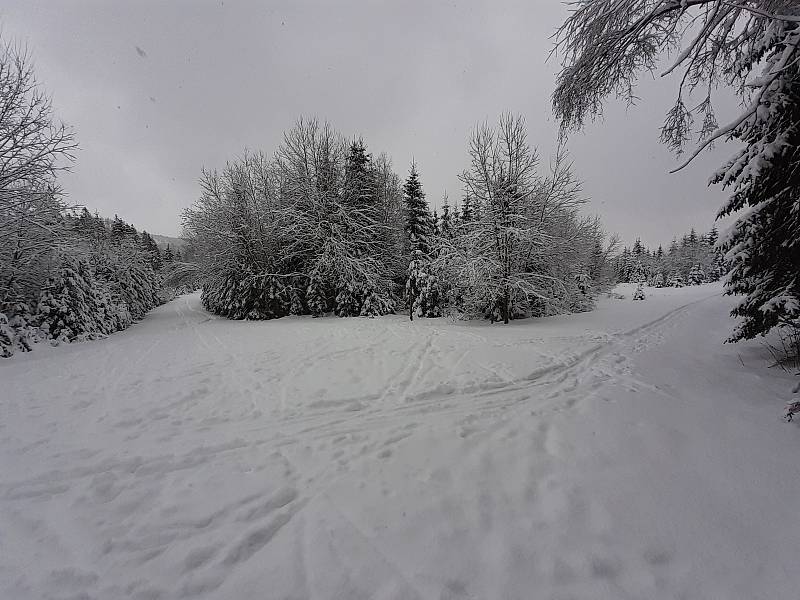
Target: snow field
{"type": "Point", "coordinates": [622, 453]}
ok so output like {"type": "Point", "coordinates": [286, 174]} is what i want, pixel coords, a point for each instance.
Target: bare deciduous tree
{"type": "Point", "coordinates": [519, 252]}
{"type": "Point", "coordinates": [33, 148]}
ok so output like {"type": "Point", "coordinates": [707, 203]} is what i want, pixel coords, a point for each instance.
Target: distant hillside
{"type": "Point", "coordinates": [163, 240]}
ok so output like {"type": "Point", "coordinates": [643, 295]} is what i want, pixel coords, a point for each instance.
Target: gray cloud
{"type": "Point", "coordinates": [158, 90]}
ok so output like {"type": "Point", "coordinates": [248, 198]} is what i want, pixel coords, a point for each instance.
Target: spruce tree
{"type": "Point", "coordinates": [697, 275]}
{"type": "Point", "coordinates": [119, 228]}
{"type": "Point", "coordinates": [360, 185]}
{"type": "Point", "coordinates": [422, 290]}
{"type": "Point", "coordinates": [349, 299]}
{"type": "Point", "coordinates": [712, 236]}
{"type": "Point", "coordinates": [151, 251]}
{"type": "Point", "coordinates": [317, 294]}
{"type": "Point", "coordinates": [418, 218]}
{"type": "Point", "coordinates": [466, 209]}
{"type": "Point", "coordinates": [73, 305]}
{"type": "Point", "coordinates": [445, 221]}
{"type": "Point", "coordinates": [763, 247]}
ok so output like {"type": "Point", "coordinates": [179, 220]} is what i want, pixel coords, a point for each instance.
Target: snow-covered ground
{"type": "Point", "coordinates": [623, 453]}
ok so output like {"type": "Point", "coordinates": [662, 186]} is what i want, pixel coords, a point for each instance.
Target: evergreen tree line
{"type": "Point", "coordinates": [63, 275]}
{"type": "Point", "coordinates": [694, 260]}
{"type": "Point", "coordinates": [85, 278]}
{"type": "Point", "coordinates": [323, 226]}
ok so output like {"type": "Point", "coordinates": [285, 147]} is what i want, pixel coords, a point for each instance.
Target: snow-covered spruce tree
{"type": "Point", "coordinates": [418, 216]}
{"type": "Point", "coordinates": [466, 209]}
{"type": "Point", "coordinates": [316, 293]}
{"type": "Point", "coordinates": [763, 246]}
{"type": "Point", "coordinates": [359, 178]}
{"type": "Point", "coordinates": [375, 304]}
{"type": "Point", "coordinates": [639, 293]}
{"type": "Point", "coordinates": [296, 306]}
{"type": "Point", "coordinates": [72, 305]}
{"type": "Point", "coordinates": [151, 250]}
{"type": "Point", "coordinates": [135, 284]}
{"type": "Point", "coordinates": [638, 273]}
{"type": "Point", "coordinates": [7, 338]}
{"type": "Point", "coordinates": [446, 221]}
{"type": "Point", "coordinates": [751, 46]}
{"type": "Point", "coordinates": [348, 299]}
{"type": "Point", "coordinates": [696, 275]}
{"type": "Point", "coordinates": [657, 280]}
{"type": "Point", "coordinates": [121, 267]}
{"type": "Point", "coordinates": [18, 332]}
{"type": "Point", "coordinates": [422, 288]}
{"type": "Point", "coordinates": [676, 281]}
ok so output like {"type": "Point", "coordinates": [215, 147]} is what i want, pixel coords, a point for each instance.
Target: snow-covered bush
{"type": "Point", "coordinates": [376, 305]}
{"type": "Point", "coordinates": [348, 300]}
{"type": "Point", "coordinates": [639, 293]}
{"type": "Point", "coordinates": [17, 334]}
{"type": "Point", "coordinates": [317, 295]}
{"type": "Point", "coordinates": [697, 276]}
{"type": "Point", "coordinates": [246, 296]}
{"type": "Point", "coordinates": [72, 306]}
{"type": "Point", "coordinates": [657, 280]}
{"type": "Point", "coordinates": [296, 304]}
{"type": "Point", "coordinates": [93, 295]}
{"type": "Point", "coordinates": [7, 337]}
{"type": "Point", "coordinates": [422, 290]}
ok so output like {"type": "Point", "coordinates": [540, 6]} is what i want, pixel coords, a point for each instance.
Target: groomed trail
{"type": "Point", "coordinates": [622, 453]}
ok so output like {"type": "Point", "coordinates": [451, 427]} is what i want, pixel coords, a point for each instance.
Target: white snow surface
{"type": "Point", "coordinates": [622, 453]}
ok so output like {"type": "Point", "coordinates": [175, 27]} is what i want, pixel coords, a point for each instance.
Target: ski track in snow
{"type": "Point", "coordinates": [356, 458]}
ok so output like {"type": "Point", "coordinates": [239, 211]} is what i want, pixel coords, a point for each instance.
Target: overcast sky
{"type": "Point", "coordinates": [158, 89]}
